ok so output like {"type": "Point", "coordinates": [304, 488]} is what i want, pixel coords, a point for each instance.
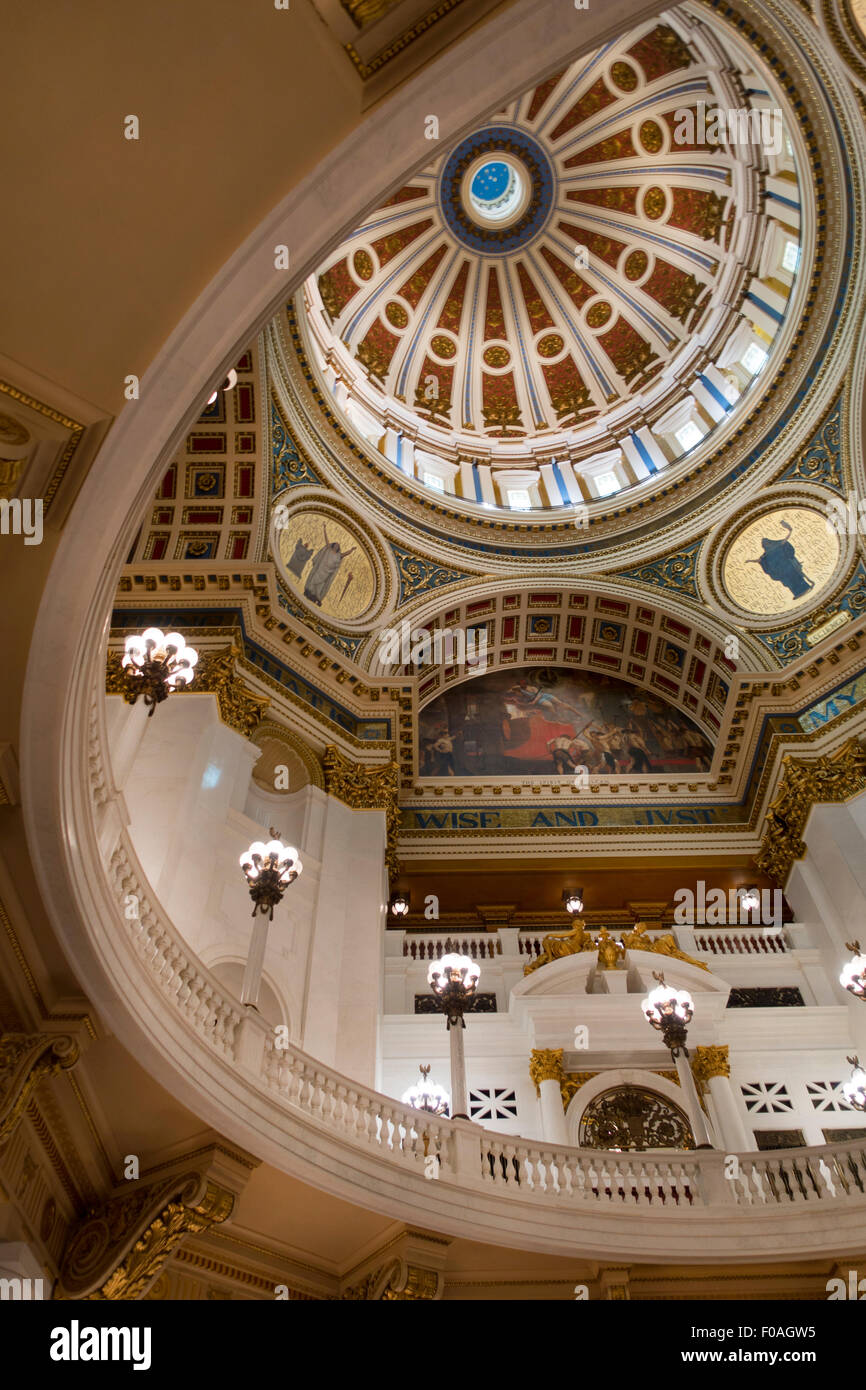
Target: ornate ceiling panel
{"type": "Point", "coordinates": [574, 284]}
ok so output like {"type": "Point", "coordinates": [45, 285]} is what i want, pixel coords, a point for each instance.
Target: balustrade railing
{"type": "Point", "coordinates": [459, 1153]}
{"type": "Point", "coordinates": [435, 947]}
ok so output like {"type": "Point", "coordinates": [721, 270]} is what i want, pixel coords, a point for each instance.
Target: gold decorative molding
{"type": "Point", "coordinates": [571, 1083]}
{"type": "Point", "coordinates": [215, 674]}
{"type": "Point", "coordinates": [26, 1060]}
{"type": "Point", "coordinates": [545, 1064]}
{"type": "Point", "coordinates": [369, 789]}
{"type": "Point", "coordinates": [398, 1281]}
{"type": "Point", "coordinates": [117, 1251]}
{"type": "Point", "coordinates": [708, 1062]}
{"type": "Point", "coordinates": [805, 783]}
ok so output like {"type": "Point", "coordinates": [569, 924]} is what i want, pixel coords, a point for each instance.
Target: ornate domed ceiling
{"type": "Point", "coordinates": [571, 298]}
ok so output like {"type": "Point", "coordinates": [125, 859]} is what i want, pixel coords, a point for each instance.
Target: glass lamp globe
{"type": "Point", "coordinates": [572, 901]}
{"type": "Point", "coordinates": [853, 976]}
{"type": "Point", "coordinates": [854, 1089]}
{"type": "Point", "coordinates": [453, 969]}
{"type": "Point", "coordinates": [750, 898]}
{"type": "Point", "coordinates": [427, 1095]}
{"type": "Point", "coordinates": [665, 1003]}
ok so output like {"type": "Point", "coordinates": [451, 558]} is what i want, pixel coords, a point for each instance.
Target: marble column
{"type": "Point", "coordinates": [711, 1067]}
{"type": "Point", "coordinates": [545, 1069]}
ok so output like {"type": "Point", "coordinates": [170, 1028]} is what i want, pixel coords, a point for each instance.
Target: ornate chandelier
{"type": "Point", "coordinates": [670, 1011]}
{"type": "Point", "coordinates": [269, 869]}
{"type": "Point", "coordinates": [427, 1095]}
{"type": "Point", "coordinates": [154, 664]}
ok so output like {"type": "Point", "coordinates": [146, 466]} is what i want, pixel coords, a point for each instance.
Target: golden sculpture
{"type": "Point", "coordinates": [805, 782]}
{"type": "Point", "coordinates": [637, 940]}
{"type": "Point", "coordinates": [610, 952]}
{"type": "Point", "coordinates": [557, 945]}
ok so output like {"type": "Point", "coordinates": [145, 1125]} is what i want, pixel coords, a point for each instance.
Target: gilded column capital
{"type": "Point", "coordinates": [27, 1059]}
{"type": "Point", "coordinates": [708, 1062]}
{"type": "Point", "coordinates": [545, 1064]}
{"type": "Point", "coordinates": [366, 788]}
{"type": "Point", "coordinates": [805, 782]}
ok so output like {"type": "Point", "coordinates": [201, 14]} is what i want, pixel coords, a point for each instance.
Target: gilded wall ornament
{"type": "Point", "coordinates": [366, 788]}
{"type": "Point", "coordinates": [805, 783]}
{"type": "Point", "coordinates": [709, 1062]}
{"type": "Point", "coordinates": [26, 1060]}
{"type": "Point", "coordinates": [118, 1251]}
{"type": "Point", "coordinates": [637, 940]}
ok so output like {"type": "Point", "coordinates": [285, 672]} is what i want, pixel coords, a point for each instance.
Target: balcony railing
{"type": "Point", "coordinates": [453, 1176]}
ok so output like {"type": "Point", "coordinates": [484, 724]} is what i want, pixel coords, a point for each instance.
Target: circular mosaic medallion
{"type": "Point", "coordinates": [624, 76]}
{"type": "Point", "coordinates": [443, 347]}
{"type": "Point", "coordinates": [496, 189]}
{"type": "Point", "coordinates": [363, 263]}
{"type": "Point", "coordinates": [636, 264]}
{"type": "Point", "coordinates": [497, 356]}
{"type": "Point", "coordinates": [598, 314]}
{"type": "Point", "coordinates": [651, 136]}
{"type": "Point", "coordinates": [654, 202]}
{"type": "Point", "coordinates": [396, 314]}
{"type": "Point", "coordinates": [778, 562]}
{"type": "Point", "coordinates": [327, 564]}
{"type": "Point", "coordinates": [551, 345]}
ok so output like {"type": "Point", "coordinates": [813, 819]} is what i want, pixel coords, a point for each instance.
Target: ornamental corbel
{"type": "Point", "coordinates": [118, 1250]}
{"type": "Point", "coordinates": [26, 1060]}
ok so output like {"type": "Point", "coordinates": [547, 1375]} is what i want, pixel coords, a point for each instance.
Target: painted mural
{"type": "Point", "coordinates": [552, 721]}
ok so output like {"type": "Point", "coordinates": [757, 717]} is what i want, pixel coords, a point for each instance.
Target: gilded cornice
{"type": "Point", "coordinates": [805, 783]}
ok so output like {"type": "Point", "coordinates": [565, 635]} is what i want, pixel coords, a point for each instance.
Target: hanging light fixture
{"type": "Point", "coordinates": [399, 904]}
{"type": "Point", "coordinates": [854, 1090]}
{"type": "Point", "coordinates": [154, 664]}
{"type": "Point", "coordinates": [750, 898]}
{"type": "Point", "coordinates": [427, 1095]}
{"type": "Point", "coordinates": [572, 901]}
{"type": "Point", "coordinates": [853, 976]}
{"type": "Point", "coordinates": [229, 383]}
{"type": "Point", "coordinates": [269, 869]}
{"type": "Point", "coordinates": [670, 1011]}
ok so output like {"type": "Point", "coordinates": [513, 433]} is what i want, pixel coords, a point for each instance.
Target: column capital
{"type": "Point", "coordinates": [545, 1064]}
{"type": "Point", "coordinates": [708, 1062]}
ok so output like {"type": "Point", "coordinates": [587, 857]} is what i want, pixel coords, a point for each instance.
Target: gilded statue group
{"type": "Point", "coordinates": [611, 953]}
